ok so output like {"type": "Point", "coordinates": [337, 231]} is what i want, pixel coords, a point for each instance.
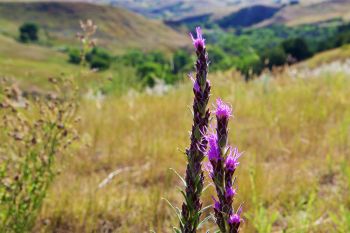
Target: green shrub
{"type": "Point", "coordinates": [132, 58]}
{"type": "Point", "coordinates": [97, 58]}
{"type": "Point", "coordinates": [149, 72]}
{"type": "Point", "coordinates": [297, 48]}
{"type": "Point", "coordinates": [181, 61]}
{"type": "Point", "coordinates": [249, 65]}
{"type": "Point", "coordinates": [221, 60]}
{"type": "Point", "coordinates": [100, 63]}
{"type": "Point", "coordinates": [342, 38]}
{"type": "Point", "coordinates": [74, 56]}
{"type": "Point", "coordinates": [28, 32]}
{"type": "Point", "coordinates": [274, 57]}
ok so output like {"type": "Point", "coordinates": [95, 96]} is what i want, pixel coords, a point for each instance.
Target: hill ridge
{"type": "Point", "coordinates": [117, 28]}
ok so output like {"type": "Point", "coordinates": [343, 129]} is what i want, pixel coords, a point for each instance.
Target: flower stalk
{"type": "Point", "coordinates": [223, 161]}
{"type": "Point", "coordinates": [192, 205]}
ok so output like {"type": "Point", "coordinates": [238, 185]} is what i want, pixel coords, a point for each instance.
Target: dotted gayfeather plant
{"type": "Point", "coordinates": [34, 131]}
{"type": "Point", "coordinates": [191, 211]}
{"type": "Point", "coordinates": [223, 161]}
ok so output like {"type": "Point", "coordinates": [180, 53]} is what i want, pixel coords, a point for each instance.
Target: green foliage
{"type": "Point", "coordinates": [34, 138]}
{"type": "Point", "coordinates": [341, 220]}
{"type": "Point", "coordinates": [297, 48]}
{"type": "Point", "coordinates": [181, 61]}
{"type": "Point", "coordinates": [149, 72]}
{"type": "Point", "coordinates": [28, 32]}
{"type": "Point", "coordinates": [221, 60]}
{"type": "Point", "coordinates": [121, 81]}
{"type": "Point", "coordinates": [155, 65]}
{"type": "Point", "coordinates": [74, 56]}
{"type": "Point", "coordinates": [248, 50]}
{"type": "Point", "coordinates": [274, 57]}
{"type": "Point", "coordinates": [342, 38]}
{"type": "Point", "coordinates": [249, 65]}
{"type": "Point", "coordinates": [261, 218]}
{"type": "Point", "coordinates": [98, 59]}
{"type": "Point", "coordinates": [132, 58]}
{"type": "Point", "coordinates": [99, 63]}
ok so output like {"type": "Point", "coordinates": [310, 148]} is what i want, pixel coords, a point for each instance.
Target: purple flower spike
{"type": "Point", "coordinates": [194, 178]}
{"type": "Point", "coordinates": [199, 42]}
{"type": "Point", "coordinates": [222, 110]}
{"type": "Point", "coordinates": [224, 165]}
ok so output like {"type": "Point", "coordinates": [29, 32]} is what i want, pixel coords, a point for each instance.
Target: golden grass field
{"type": "Point", "coordinates": [294, 175]}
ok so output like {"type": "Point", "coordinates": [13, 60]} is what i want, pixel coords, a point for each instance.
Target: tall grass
{"type": "Point", "coordinates": [34, 132]}
{"type": "Point", "coordinates": [288, 128]}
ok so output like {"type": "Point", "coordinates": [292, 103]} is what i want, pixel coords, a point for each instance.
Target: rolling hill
{"type": "Point", "coordinates": [118, 29]}
{"type": "Point", "coordinates": [177, 9]}
{"type": "Point", "coordinates": [310, 13]}
{"type": "Point", "coordinates": [264, 13]}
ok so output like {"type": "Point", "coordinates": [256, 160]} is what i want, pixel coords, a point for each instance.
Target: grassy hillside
{"type": "Point", "coordinates": [31, 64]}
{"type": "Point", "coordinates": [118, 29]}
{"type": "Point", "coordinates": [339, 54]}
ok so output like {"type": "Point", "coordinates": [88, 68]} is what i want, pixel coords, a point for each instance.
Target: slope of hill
{"type": "Point", "coordinates": [340, 54]}
{"type": "Point", "coordinates": [248, 16]}
{"type": "Point", "coordinates": [311, 13]}
{"type": "Point", "coordinates": [177, 9]}
{"type": "Point", "coordinates": [31, 65]}
{"type": "Point", "coordinates": [117, 28]}
{"type": "Point", "coordinates": [265, 13]}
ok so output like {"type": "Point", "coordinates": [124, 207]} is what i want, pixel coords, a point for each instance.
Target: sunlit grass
{"type": "Point", "coordinates": [295, 138]}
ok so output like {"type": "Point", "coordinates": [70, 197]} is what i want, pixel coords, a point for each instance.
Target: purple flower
{"type": "Point", "coordinates": [222, 109]}
{"type": "Point", "coordinates": [230, 192]}
{"type": "Point", "coordinates": [214, 151]}
{"type": "Point", "coordinates": [231, 162]}
{"type": "Point", "coordinates": [199, 42]}
{"type": "Point", "coordinates": [217, 205]}
{"type": "Point", "coordinates": [234, 219]}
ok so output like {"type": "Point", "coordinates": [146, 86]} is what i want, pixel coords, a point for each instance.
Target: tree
{"type": "Point", "coordinates": [297, 48]}
{"type": "Point", "coordinates": [149, 72]}
{"type": "Point", "coordinates": [74, 56]}
{"type": "Point", "coordinates": [181, 60]}
{"type": "Point", "coordinates": [274, 57]}
{"type": "Point", "coordinates": [28, 32]}
{"type": "Point", "coordinates": [221, 61]}
{"type": "Point", "coordinates": [99, 59]}
{"type": "Point", "coordinates": [342, 38]}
